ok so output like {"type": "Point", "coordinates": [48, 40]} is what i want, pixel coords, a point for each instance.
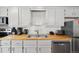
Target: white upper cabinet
{"type": "Point", "coordinates": [50, 16]}
{"type": "Point", "coordinates": [38, 17]}
{"type": "Point", "coordinates": [3, 11]}
{"type": "Point", "coordinates": [76, 12]}
{"type": "Point", "coordinates": [13, 16]}
{"type": "Point", "coordinates": [59, 17]}
{"type": "Point", "coordinates": [68, 12]}
{"type": "Point", "coordinates": [71, 12]}
{"type": "Point", "coordinates": [25, 16]}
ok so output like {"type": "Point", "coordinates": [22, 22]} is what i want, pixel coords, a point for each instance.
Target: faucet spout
{"type": "Point", "coordinates": [37, 31]}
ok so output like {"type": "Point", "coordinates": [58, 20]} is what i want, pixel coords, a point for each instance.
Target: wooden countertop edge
{"type": "Point", "coordinates": [50, 37]}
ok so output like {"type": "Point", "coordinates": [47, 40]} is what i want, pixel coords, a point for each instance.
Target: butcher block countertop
{"type": "Point", "coordinates": [50, 37]}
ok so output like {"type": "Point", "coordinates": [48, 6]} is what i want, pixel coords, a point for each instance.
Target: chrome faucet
{"type": "Point", "coordinates": [37, 31]}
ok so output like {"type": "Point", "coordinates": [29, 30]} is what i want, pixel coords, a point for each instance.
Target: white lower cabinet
{"type": "Point", "coordinates": [30, 50]}
{"type": "Point", "coordinates": [44, 46]}
{"type": "Point", "coordinates": [25, 46]}
{"type": "Point", "coordinates": [37, 46]}
{"type": "Point", "coordinates": [5, 49]}
{"type": "Point", "coordinates": [5, 46]}
{"type": "Point", "coordinates": [30, 46]}
{"type": "Point", "coordinates": [16, 46]}
{"type": "Point", "coordinates": [16, 49]}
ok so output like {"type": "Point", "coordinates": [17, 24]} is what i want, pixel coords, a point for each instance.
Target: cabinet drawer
{"type": "Point", "coordinates": [5, 42]}
{"type": "Point", "coordinates": [44, 43]}
{"type": "Point", "coordinates": [30, 43]}
{"type": "Point", "coordinates": [3, 12]}
{"type": "Point", "coordinates": [16, 42]}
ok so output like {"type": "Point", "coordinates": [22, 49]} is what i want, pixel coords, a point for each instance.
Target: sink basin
{"type": "Point", "coordinates": [32, 36]}
{"type": "Point", "coordinates": [43, 36]}
{"type": "Point", "coordinates": [37, 36]}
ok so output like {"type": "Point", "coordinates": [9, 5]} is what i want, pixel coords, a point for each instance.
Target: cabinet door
{"type": "Point", "coordinates": [30, 43]}
{"type": "Point", "coordinates": [16, 43]}
{"type": "Point", "coordinates": [25, 16]}
{"type": "Point", "coordinates": [68, 12]}
{"type": "Point", "coordinates": [3, 11]}
{"type": "Point", "coordinates": [50, 16]}
{"type": "Point", "coordinates": [59, 17]}
{"type": "Point", "coordinates": [44, 49]}
{"type": "Point", "coordinates": [5, 49]}
{"type": "Point", "coordinates": [38, 17]}
{"type": "Point", "coordinates": [17, 50]}
{"type": "Point", "coordinates": [44, 43]}
{"type": "Point", "coordinates": [44, 46]}
{"type": "Point", "coordinates": [13, 16]}
{"type": "Point", "coordinates": [30, 50]}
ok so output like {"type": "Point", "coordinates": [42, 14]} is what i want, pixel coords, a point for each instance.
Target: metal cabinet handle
{"type": "Point", "coordinates": [8, 49]}
{"type": "Point", "coordinates": [40, 49]}
{"type": "Point", "coordinates": [13, 50]}
{"type": "Point", "coordinates": [36, 49]}
{"type": "Point", "coordinates": [1, 50]}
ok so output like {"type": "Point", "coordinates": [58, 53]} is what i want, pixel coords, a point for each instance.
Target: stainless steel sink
{"type": "Point", "coordinates": [38, 36]}
{"type": "Point", "coordinates": [43, 36]}
{"type": "Point", "coordinates": [33, 36]}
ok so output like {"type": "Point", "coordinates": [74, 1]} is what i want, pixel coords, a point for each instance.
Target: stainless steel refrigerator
{"type": "Point", "coordinates": [72, 29]}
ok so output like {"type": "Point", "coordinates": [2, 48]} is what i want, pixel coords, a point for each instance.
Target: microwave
{"type": "Point", "coordinates": [4, 20]}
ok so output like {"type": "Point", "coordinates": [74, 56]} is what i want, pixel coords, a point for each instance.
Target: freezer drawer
{"type": "Point", "coordinates": [76, 45]}
{"type": "Point", "coordinates": [60, 47]}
